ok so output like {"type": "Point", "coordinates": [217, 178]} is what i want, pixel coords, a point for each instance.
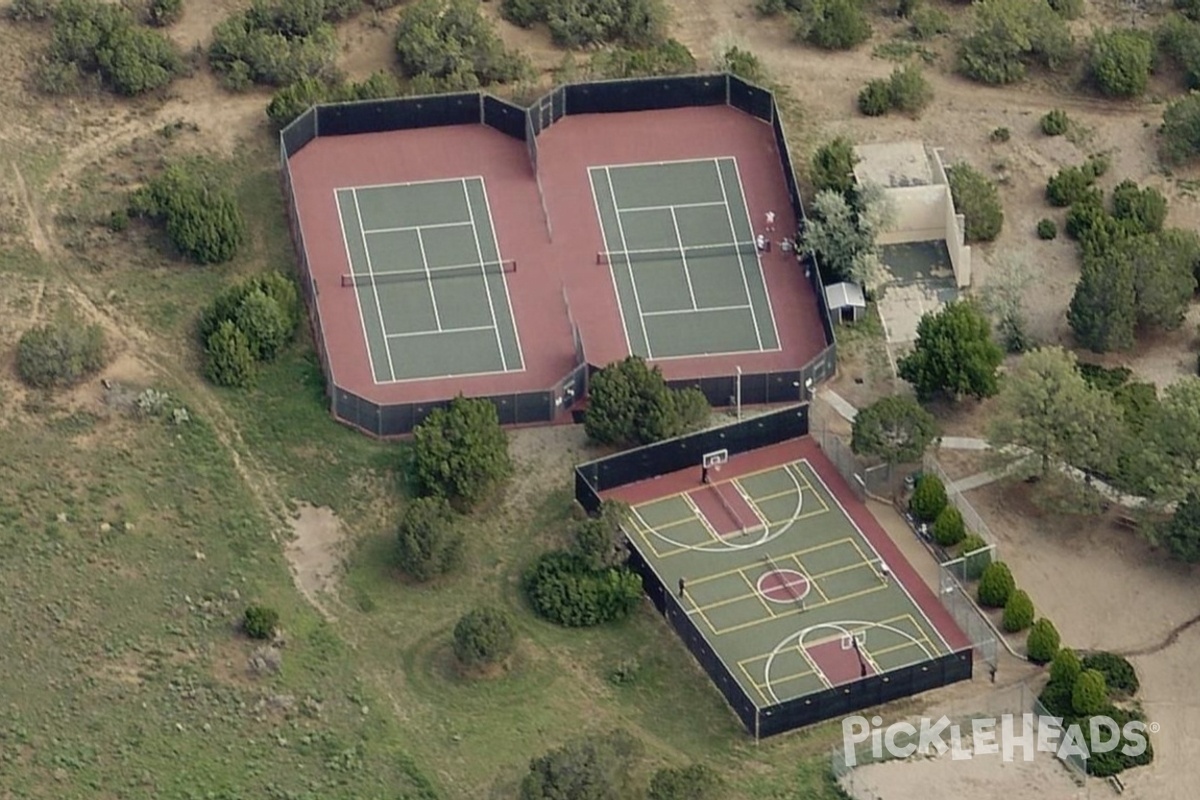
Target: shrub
{"type": "Point", "coordinates": [199, 211]}
{"type": "Point", "coordinates": [1055, 122]}
{"type": "Point", "coordinates": [260, 622]}
{"type": "Point", "coordinates": [596, 767]}
{"type": "Point", "coordinates": [60, 354]}
{"type": "Point", "coordinates": [927, 22]}
{"type": "Point", "coordinates": [228, 359]}
{"type": "Point", "coordinates": [293, 100]}
{"type": "Point", "coordinates": [1067, 9]}
{"type": "Point", "coordinates": [631, 404]}
{"type": "Point", "coordinates": [31, 10]}
{"type": "Point", "coordinates": [948, 528]}
{"type": "Point", "coordinates": [875, 99]}
{"type": "Point", "coordinates": [1065, 667]}
{"type": "Point", "coordinates": [976, 198]}
{"type": "Point", "coordinates": [995, 585]}
{"type": "Point", "coordinates": [563, 589]}
{"type": "Point", "coordinates": [1110, 762]}
{"type": "Point", "coordinates": [669, 57]}
{"type": "Point", "coordinates": [1068, 186]}
{"type": "Point", "coordinates": [1120, 62]}
{"type": "Point", "coordinates": [832, 24]}
{"type": "Point", "coordinates": [928, 499]}
{"type": "Point", "coordinates": [1018, 612]}
{"type": "Point", "coordinates": [429, 543]}
{"type": "Point", "coordinates": [1180, 132]}
{"type": "Point", "coordinates": [833, 166]}
{"type": "Point", "coordinates": [1047, 229]}
{"type": "Point", "coordinates": [484, 636]}
{"type": "Point", "coordinates": [1089, 695]}
{"type": "Point", "coordinates": [976, 558]}
{"type": "Point", "coordinates": [273, 45]}
{"type": "Point", "coordinates": [1145, 209]}
{"type": "Point", "coordinates": [1010, 34]}
{"type": "Point", "coordinates": [1000, 135]}
{"type": "Point", "coordinates": [895, 428]}
{"type": "Point", "coordinates": [461, 453]}
{"type": "Point", "coordinates": [1086, 216]}
{"type": "Point", "coordinates": [744, 64]}
{"type": "Point", "coordinates": [910, 91]}
{"type": "Point", "coordinates": [1043, 642]}
{"type": "Point", "coordinates": [161, 13]}
{"type": "Point", "coordinates": [265, 308]}
{"type": "Point", "coordinates": [451, 39]}
{"type": "Point", "coordinates": [1119, 674]}
{"type": "Point", "coordinates": [694, 782]}
{"type": "Point", "coordinates": [265, 324]}
{"type": "Point", "coordinates": [105, 39]}
{"type": "Point", "coordinates": [580, 23]}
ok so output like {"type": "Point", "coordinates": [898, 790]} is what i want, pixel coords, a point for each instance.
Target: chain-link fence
{"type": "Point", "coordinates": [879, 481]}
{"type": "Point", "coordinates": [971, 517]}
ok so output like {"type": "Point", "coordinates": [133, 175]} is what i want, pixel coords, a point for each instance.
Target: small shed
{"type": "Point", "coordinates": [846, 302]}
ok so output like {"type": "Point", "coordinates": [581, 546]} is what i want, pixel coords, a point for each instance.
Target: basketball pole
{"type": "Point", "coordinates": [739, 393]}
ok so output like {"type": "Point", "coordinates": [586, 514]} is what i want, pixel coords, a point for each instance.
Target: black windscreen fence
{"type": "Point", "coordinates": [753, 100]}
{"type": "Point", "coordinates": [399, 419]}
{"type": "Point", "coordinates": [686, 451]}
{"type": "Point", "coordinates": [301, 131]}
{"type": "Point", "coordinates": [645, 94]}
{"type": "Point", "coordinates": [400, 113]}
{"type": "Point", "coordinates": [504, 117]}
{"type": "Point", "coordinates": [756, 388]}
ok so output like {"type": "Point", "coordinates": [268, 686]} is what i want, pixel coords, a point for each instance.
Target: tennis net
{"type": "Point", "coordinates": [433, 273]}
{"type": "Point", "coordinates": [787, 586]}
{"type": "Point", "coordinates": [735, 516]}
{"type": "Point", "coordinates": [675, 254]}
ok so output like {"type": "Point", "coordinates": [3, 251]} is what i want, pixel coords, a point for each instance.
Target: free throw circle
{"type": "Point", "coordinates": [784, 585]}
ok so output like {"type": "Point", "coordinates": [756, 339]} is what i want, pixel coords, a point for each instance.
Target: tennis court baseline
{"type": "Point", "coordinates": [430, 281]}
{"type": "Point", "coordinates": [681, 249]}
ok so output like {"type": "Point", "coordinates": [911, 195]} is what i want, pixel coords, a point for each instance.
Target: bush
{"type": "Point", "coordinates": [1055, 122]}
{"type": "Point", "coordinates": [875, 99]}
{"type": "Point", "coordinates": [581, 23]}
{"type": "Point", "coordinates": [832, 24]}
{"type": "Point", "coordinates": [948, 528]}
{"type": "Point", "coordinates": [1145, 209]}
{"type": "Point", "coordinates": [161, 13]}
{"type": "Point", "coordinates": [596, 767]}
{"type": "Point", "coordinates": [910, 91]}
{"type": "Point", "coordinates": [694, 782]}
{"type": "Point", "coordinates": [1011, 34]}
{"type": "Point", "coordinates": [744, 64]}
{"type": "Point", "coordinates": [1000, 135]}
{"type": "Point", "coordinates": [228, 359]}
{"type": "Point", "coordinates": [1069, 185]}
{"type": "Point", "coordinates": [1018, 612]}
{"type": "Point", "coordinates": [274, 45]}
{"type": "Point", "coordinates": [1120, 62]}
{"type": "Point", "coordinates": [976, 198]}
{"type": "Point", "coordinates": [928, 499]}
{"type": "Point", "coordinates": [31, 10]}
{"type": "Point", "coordinates": [927, 22]}
{"type": "Point", "coordinates": [1089, 695]}
{"type": "Point", "coordinates": [429, 543]}
{"type": "Point", "coordinates": [1119, 674]}
{"type": "Point", "coordinates": [563, 589]}
{"type": "Point", "coordinates": [461, 453]}
{"type": "Point", "coordinates": [105, 39]}
{"type": "Point", "coordinates": [976, 558]}
{"type": "Point", "coordinates": [199, 211]}
{"type": "Point", "coordinates": [451, 39]}
{"type": "Point", "coordinates": [1067, 9]}
{"type": "Point", "coordinates": [1047, 229]}
{"type": "Point", "coordinates": [995, 585]}
{"type": "Point", "coordinates": [1180, 132]}
{"type": "Point", "coordinates": [1065, 667]}
{"type": "Point", "coordinates": [60, 354]}
{"type": "Point", "coordinates": [264, 308]}
{"type": "Point", "coordinates": [669, 57]}
{"type": "Point", "coordinates": [631, 404]}
{"type": "Point", "coordinates": [1102, 765]}
{"type": "Point", "coordinates": [1043, 642]}
{"type": "Point", "coordinates": [833, 166]}
{"type": "Point", "coordinates": [484, 636]}
{"type": "Point", "coordinates": [296, 98]}
{"type": "Point", "coordinates": [260, 622]}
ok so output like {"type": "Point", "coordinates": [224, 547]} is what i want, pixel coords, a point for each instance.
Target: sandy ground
{"type": "Point", "coordinates": [315, 552]}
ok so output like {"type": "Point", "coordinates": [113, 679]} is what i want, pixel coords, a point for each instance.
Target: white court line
{"type": "Point", "coordinates": [628, 265]}
{"type": "Point", "coordinates": [611, 272]}
{"type": "Point", "coordinates": [741, 260]}
{"type": "Point", "coordinates": [758, 262]}
{"type": "Point", "coordinates": [428, 282]}
{"type": "Point", "coordinates": [487, 206]}
{"type": "Point", "coordinates": [406, 183]}
{"type": "Point", "coordinates": [812, 663]}
{"type": "Point", "coordinates": [416, 227]}
{"type": "Point", "coordinates": [487, 287]}
{"type": "Point", "coordinates": [667, 208]}
{"type": "Point", "coordinates": [695, 311]}
{"type": "Point", "coordinates": [663, 163]}
{"type": "Point", "coordinates": [374, 290]}
{"type": "Point", "coordinates": [362, 316]}
{"type": "Point", "coordinates": [443, 330]}
{"type": "Point", "coordinates": [683, 257]}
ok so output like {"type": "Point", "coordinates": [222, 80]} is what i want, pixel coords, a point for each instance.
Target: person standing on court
{"type": "Point", "coordinates": [761, 243]}
{"type": "Point", "coordinates": [682, 587]}
{"type": "Point", "coordinates": [770, 221]}
{"type": "Point", "coordinates": [885, 572]}
{"type": "Point", "coordinates": [704, 473]}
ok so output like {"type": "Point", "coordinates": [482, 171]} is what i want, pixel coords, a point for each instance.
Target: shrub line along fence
{"type": "Point", "coordinates": [595, 477]}
{"type": "Point", "coordinates": [526, 123]}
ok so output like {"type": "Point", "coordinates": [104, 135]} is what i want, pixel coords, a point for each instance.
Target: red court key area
{"type": "Point", "coordinates": [840, 666]}
{"type": "Point", "coordinates": [725, 509]}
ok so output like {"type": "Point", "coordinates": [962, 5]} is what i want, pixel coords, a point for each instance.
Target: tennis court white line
{"type": "Point", "coordinates": [611, 272]}
{"type": "Point", "coordinates": [665, 163]}
{"type": "Point", "coordinates": [687, 273]}
{"type": "Point", "coordinates": [761, 273]}
{"type": "Point", "coordinates": [458, 376]}
{"type": "Point", "coordinates": [694, 311]}
{"type": "Point", "coordinates": [629, 267]}
{"type": "Point", "coordinates": [437, 318]}
{"type": "Point", "coordinates": [487, 288]}
{"type": "Point", "coordinates": [671, 208]}
{"type": "Point", "coordinates": [417, 227]}
{"type": "Point", "coordinates": [741, 261]}
{"type": "Point", "coordinates": [487, 206]}
{"type": "Point", "coordinates": [408, 183]}
{"type": "Point", "coordinates": [371, 272]}
{"type": "Point", "coordinates": [443, 330]}
{"type": "Point", "coordinates": [362, 317]}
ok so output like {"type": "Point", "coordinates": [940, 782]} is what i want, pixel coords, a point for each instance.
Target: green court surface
{"type": "Point", "coordinates": [793, 597]}
{"type": "Point", "coordinates": [430, 280]}
{"type": "Point", "coordinates": [679, 243]}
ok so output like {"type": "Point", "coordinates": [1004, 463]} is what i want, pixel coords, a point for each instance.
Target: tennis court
{"type": "Point", "coordinates": [782, 583]}
{"type": "Point", "coordinates": [681, 249]}
{"type": "Point", "coordinates": [430, 280]}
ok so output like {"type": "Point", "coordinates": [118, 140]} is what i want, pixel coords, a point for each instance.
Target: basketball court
{"type": "Point", "coordinates": [431, 283]}
{"type": "Point", "coordinates": [782, 582]}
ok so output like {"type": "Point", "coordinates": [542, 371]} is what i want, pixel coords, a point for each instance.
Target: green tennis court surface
{"type": "Point", "coordinates": [782, 583]}
{"type": "Point", "coordinates": [430, 280]}
{"type": "Point", "coordinates": [678, 239]}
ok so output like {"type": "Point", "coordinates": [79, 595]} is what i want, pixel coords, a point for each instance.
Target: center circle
{"type": "Point", "coordinates": [784, 585]}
